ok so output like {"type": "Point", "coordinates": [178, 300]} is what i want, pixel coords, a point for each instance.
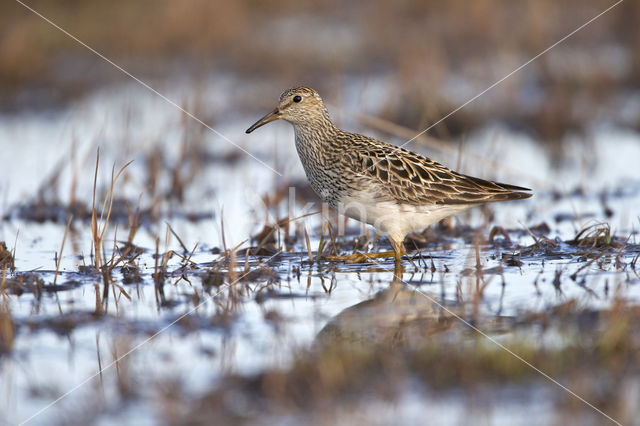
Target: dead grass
{"type": "Point", "coordinates": [326, 376]}
{"type": "Point", "coordinates": [423, 43]}
{"type": "Point", "coordinates": [597, 235]}
{"type": "Point", "coordinates": [7, 258]}
{"type": "Point", "coordinates": [100, 224]}
{"type": "Point", "coordinates": [7, 333]}
{"type": "Point", "coordinates": [435, 355]}
{"type": "Point", "coordinates": [26, 282]}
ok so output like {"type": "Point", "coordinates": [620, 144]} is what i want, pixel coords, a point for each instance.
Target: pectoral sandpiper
{"type": "Point", "coordinates": [395, 190]}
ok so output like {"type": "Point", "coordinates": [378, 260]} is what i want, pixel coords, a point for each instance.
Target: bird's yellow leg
{"type": "Point", "coordinates": [360, 257]}
{"type": "Point", "coordinates": [398, 251]}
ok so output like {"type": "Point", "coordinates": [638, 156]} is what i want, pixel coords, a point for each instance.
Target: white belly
{"type": "Point", "coordinates": [393, 219]}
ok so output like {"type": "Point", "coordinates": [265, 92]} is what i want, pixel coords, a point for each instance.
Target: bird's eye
{"type": "Point", "coordinates": [297, 98]}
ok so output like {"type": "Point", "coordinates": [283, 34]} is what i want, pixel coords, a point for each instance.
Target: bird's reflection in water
{"type": "Point", "coordinates": [397, 315]}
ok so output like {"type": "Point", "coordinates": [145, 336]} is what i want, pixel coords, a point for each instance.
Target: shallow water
{"type": "Point", "coordinates": [200, 334]}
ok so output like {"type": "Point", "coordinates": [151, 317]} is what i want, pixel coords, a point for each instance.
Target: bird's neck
{"type": "Point", "coordinates": [315, 132]}
{"type": "Point", "coordinates": [315, 136]}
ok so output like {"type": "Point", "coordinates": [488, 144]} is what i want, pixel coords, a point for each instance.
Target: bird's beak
{"type": "Point", "coordinates": [272, 116]}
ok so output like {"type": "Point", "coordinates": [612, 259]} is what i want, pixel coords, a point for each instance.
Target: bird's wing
{"type": "Point", "coordinates": [409, 178]}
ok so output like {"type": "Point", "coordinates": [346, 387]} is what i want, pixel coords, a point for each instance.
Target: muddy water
{"type": "Point", "coordinates": [189, 327]}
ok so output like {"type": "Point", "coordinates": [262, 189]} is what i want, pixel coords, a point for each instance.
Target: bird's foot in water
{"type": "Point", "coordinates": [360, 257]}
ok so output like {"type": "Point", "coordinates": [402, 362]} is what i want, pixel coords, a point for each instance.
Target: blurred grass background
{"type": "Point", "coordinates": [438, 54]}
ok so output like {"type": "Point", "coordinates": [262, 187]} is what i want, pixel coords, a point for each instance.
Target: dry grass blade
{"type": "Point", "coordinates": [595, 235]}
{"type": "Point", "coordinates": [156, 276]}
{"type": "Point", "coordinates": [538, 239]}
{"type": "Point", "coordinates": [306, 237]}
{"type": "Point", "coordinates": [333, 241]}
{"type": "Point", "coordinates": [134, 221]}
{"type": "Point", "coordinates": [184, 248]}
{"type": "Point", "coordinates": [167, 253]}
{"type": "Point", "coordinates": [3, 282]}
{"type": "Point", "coordinates": [224, 240]}
{"type": "Point", "coordinates": [574, 276]}
{"type": "Point", "coordinates": [321, 245]}
{"type": "Point", "coordinates": [97, 232]}
{"type": "Point", "coordinates": [94, 222]}
{"type": "Point", "coordinates": [184, 258]}
{"type": "Point", "coordinates": [64, 238]}
{"type": "Point", "coordinates": [192, 252]}
{"type": "Point", "coordinates": [7, 333]}
{"type": "Point", "coordinates": [13, 252]}
{"type": "Point", "coordinates": [7, 259]}
{"type": "Point", "coordinates": [635, 261]}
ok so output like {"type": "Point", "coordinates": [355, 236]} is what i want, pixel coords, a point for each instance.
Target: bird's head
{"type": "Point", "coordinates": [299, 105]}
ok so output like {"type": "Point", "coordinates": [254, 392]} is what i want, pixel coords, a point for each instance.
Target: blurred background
{"type": "Point", "coordinates": [433, 55]}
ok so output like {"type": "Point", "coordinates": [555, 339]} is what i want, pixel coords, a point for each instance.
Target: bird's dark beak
{"type": "Point", "coordinates": [272, 116]}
